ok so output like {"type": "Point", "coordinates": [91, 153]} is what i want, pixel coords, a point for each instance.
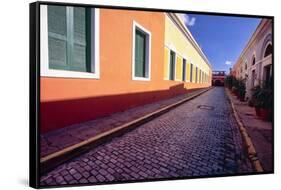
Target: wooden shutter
{"type": "Point", "coordinates": [172, 65]}
{"type": "Point", "coordinates": [140, 54]}
{"type": "Point", "coordinates": [57, 37]}
{"type": "Point", "coordinates": [183, 69]}
{"type": "Point", "coordinates": [68, 35]}
{"type": "Point", "coordinates": [79, 40]}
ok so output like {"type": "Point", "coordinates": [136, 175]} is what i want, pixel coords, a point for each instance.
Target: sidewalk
{"type": "Point", "coordinates": [259, 131]}
{"type": "Point", "coordinates": [60, 139]}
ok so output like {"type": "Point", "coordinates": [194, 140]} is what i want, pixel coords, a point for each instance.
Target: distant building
{"type": "Point", "coordinates": [218, 78]}
{"type": "Point", "coordinates": [254, 65]}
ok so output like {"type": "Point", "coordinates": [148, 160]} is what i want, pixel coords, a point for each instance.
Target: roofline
{"type": "Point", "coordinates": [262, 23]}
{"type": "Point", "coordinates": [179, 23]}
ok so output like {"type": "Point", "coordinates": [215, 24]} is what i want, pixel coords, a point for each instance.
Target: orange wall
{"type": "Point", "coordinates": [66, 101]}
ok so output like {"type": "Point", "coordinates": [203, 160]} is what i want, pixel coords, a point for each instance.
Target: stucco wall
{"type": "Point", "coordinates": [66, 101]}
{"type": "Point", "coordinates": [255, 49]}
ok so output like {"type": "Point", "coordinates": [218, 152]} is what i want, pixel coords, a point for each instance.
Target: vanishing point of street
{"type": "Point", "coordinates": [198, 138]}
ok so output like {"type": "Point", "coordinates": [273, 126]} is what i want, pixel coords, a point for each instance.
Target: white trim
{"type": "Point", "coordinates": [148, 52]}
{"type": "Point", "coordinates": [44, 53]}
{"type": "Point", "coordinates": [168, 65]}
{"type": "Point", "coordinates": [97, 42]}
{"type": "Point", "coordinates": [263, 52]}
{"type": "Point", "coordinates": [171, 47]}
{"type": "Point", "coordinates": [175, 66]}
{"type": "Point", "coordinates": [177, 21]}
{"type": "Point", "coordinates": [191, 78]}
{"type": "Point", "coordinates": [253, 57]}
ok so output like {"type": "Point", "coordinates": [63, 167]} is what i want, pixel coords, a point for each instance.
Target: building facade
{"type": "Point", "coordinates": [254, 65]}
{"type": "Point", "coordinates": [96, 61]}
{"type": "Point", "coordinates": [218, 78]}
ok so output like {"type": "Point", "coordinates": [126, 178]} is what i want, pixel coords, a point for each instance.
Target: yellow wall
{"type": "Point", "coordinates": [178, 68]}
{"type": "Point", "coordinates": [166, 63]}
{"type": "Point", "coordinates": [188, 71]}
{"type": "Point", "coordinates": [177, 42]}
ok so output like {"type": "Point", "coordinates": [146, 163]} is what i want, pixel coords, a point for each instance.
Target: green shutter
{"type": "Point", "coordinates": [57, 37]}
{"type": "Point", "coordinates": [78, 62]}
{"type": "Point", "coordinates": [140, 54]}
{"type": "Point", "coordinates": [183, 69]}
{"type": "Point", "coordinates": [172, 65]}
{"type": "Point", "coordinates": [69, 38]}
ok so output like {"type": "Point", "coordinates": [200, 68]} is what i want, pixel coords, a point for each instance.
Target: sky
{"type": "Point", "coordinates": [222, 38]}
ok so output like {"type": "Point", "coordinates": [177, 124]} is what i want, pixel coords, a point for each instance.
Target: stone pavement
{"type": "Point", "coordinates": [198, 138]}
{"type": "Point", "coordinates": [259, 131]}
{"type": "Point", "coordinates": [59, 139]}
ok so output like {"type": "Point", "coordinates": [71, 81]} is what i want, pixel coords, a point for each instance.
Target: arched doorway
{"type": "Point", "coordinates": [253, 74]}
{"type": "Point", "coordinates": [267, 71]}
{"type": "Point", "coordinates": [268, 50]}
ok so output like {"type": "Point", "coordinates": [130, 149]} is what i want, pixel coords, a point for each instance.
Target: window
{"type": "Point", "coordinates": [183, 69]}
{"type": "Point", "coordinates": [268, 50]}
{"type": "Point", "coordinates": [69, 38]}
{"type": "Point", "coordinates": [245, 65]}
{"type": "Point", "coordinates": [254, 61]}
{"type": "Point", "coordinates": [191, 71]}
{"type": "Point", "coordinates": [172, 65]}
{"type": "Point", "coordinates": [141, 52]}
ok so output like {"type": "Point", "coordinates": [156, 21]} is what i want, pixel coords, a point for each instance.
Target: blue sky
{"type": "Point", "coordinates": [222, 38]}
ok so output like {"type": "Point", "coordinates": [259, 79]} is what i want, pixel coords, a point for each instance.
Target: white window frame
{"type": "Point", "coordinates": [171, 47]}
{"type": "Point", "coordinates": [193, 67]}
{"type": "Point", "coordinates": [44, 52]}
{"type": "Point", "coordinates": [168, 65]}
{"type": "Point", "coordinates": [147, 53]}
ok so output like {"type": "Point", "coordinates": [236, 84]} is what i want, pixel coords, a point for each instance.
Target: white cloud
{"type": "Point", "coordinates": [228, 62]}
{"type": "Point", "coordinates": [189, 21]}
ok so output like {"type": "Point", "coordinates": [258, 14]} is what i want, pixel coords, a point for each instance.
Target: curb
{"type": "Point", "coordinates": [50, 161]}
{"type": "Point", "coordinates": [252, 154]}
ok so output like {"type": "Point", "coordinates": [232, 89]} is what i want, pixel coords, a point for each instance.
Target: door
{"type": "Point", "coordinates": [183, 69]}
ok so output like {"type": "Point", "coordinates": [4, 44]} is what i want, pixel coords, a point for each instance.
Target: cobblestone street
{"type": "Point", "coordinates": [198, 138]}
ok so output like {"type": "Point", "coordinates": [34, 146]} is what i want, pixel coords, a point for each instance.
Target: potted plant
{"type": "Point", "coordinates": [229, 81]}
{"type": "Point", "coordinates": [241, 90]}
{"type": "Point", "coordinates": [266, 109]}
{"type": "Point", "coordinates": [255, 99]}
{"type": "Point", "coordinates": [234, 90]}
{"type": "Point", "coordinates": [262, 98]}
{"type": "Point", "coordinates": [235, 86]}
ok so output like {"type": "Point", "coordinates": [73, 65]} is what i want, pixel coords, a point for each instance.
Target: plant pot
{"type": "Point", "coordinates": [242, 98]}
{"type": "Point", "coordinates": [237, 95]}
{"type": "Point", "coordinates": [265, 114]}
{"type": "Point", "coordinates": [258, 111]}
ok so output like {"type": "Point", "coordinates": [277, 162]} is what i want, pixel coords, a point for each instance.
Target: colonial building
{"type": "Point", "coordinates": [254, 65]}
{"type": "Point", "coordinates": [97, 61]}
